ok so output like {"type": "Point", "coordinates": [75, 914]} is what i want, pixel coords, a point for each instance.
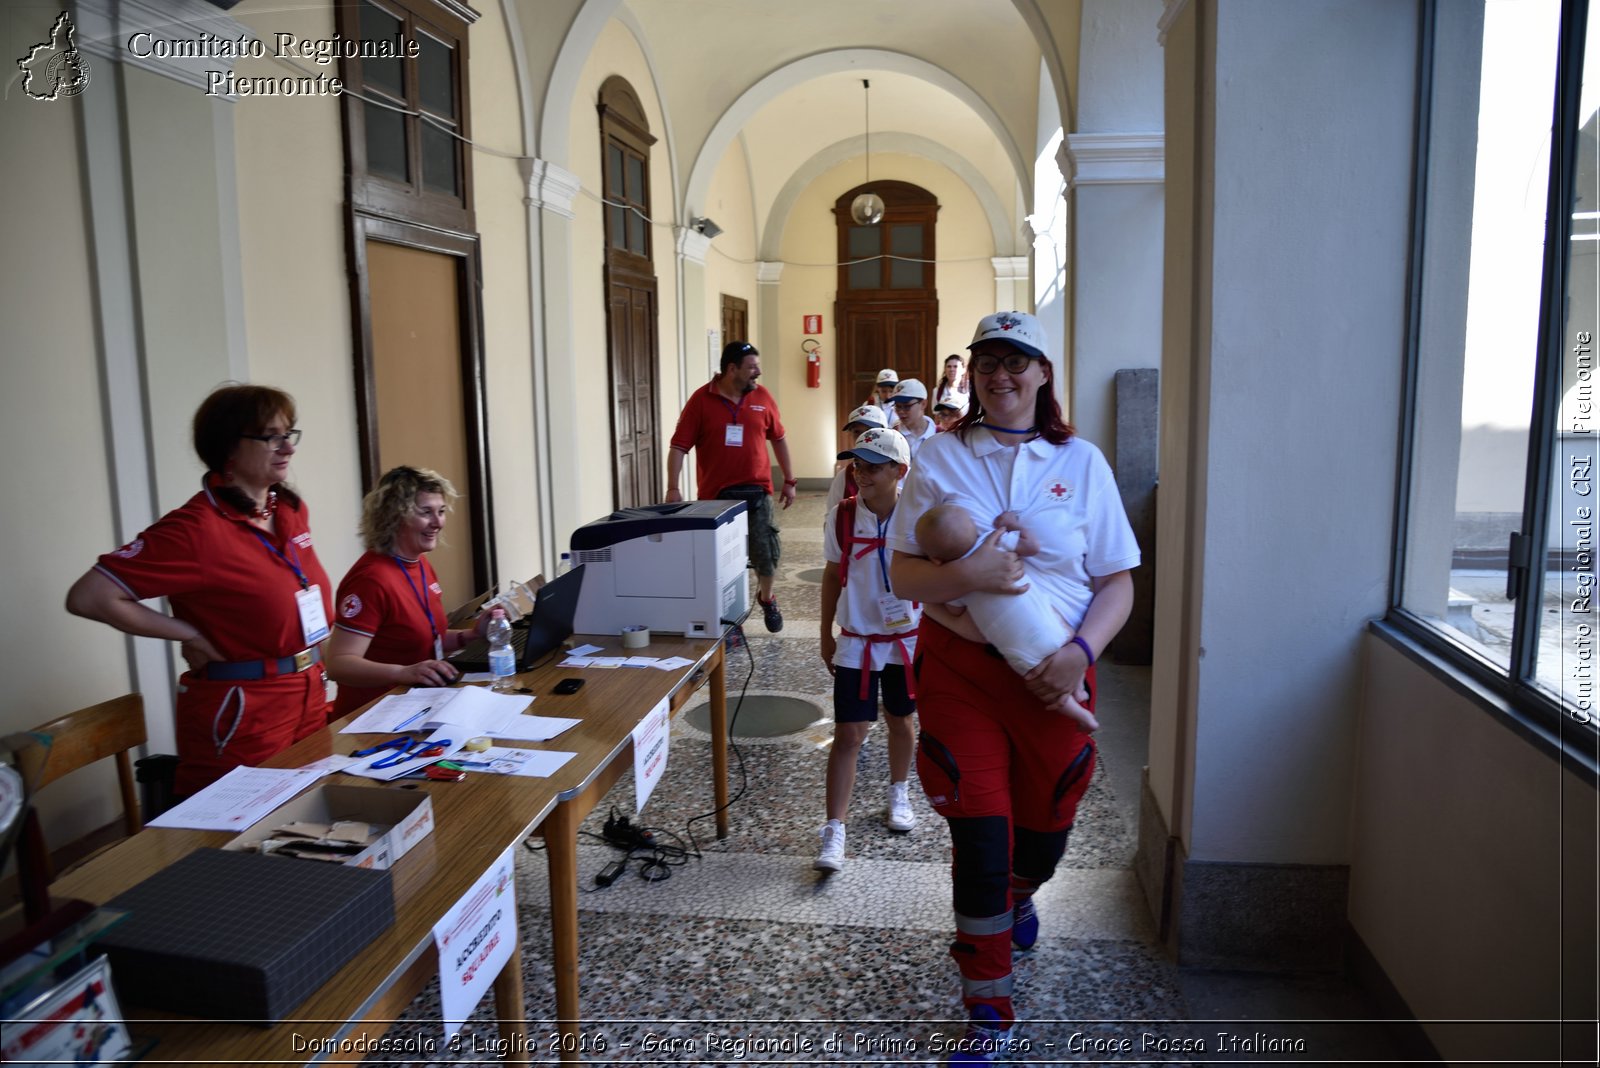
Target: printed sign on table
{"type": "Point", "coordinates": [475, 940]}
{"type": "Point", "coordinates": [650, 753]}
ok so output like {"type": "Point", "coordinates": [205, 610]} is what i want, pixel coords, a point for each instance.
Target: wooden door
{"type": "Point", "coordinates": [416, 382]}
{"type": "Point", "coordinates": [632, 328]}
{"type": "Point", "coordinates": [875, 336]}
{"type": "Point", "coordinates": [735, 319]}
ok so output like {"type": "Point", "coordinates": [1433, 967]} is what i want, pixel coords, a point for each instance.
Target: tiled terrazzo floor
{"type": "Point", "coordinates": [747, 940]}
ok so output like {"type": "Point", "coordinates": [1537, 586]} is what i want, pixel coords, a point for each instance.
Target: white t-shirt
{"type": "Point", "coordinates": [1066, 496]}
{"type": "Point", "coordinates": [859, 609]}
{"type": "Point", "coordinates": [929, 429]}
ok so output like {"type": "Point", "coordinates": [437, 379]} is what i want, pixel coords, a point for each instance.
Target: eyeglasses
{"type": "Point", "coordinates": [986, 363]}
{"type": "Point", "coordinates": [907, 403]}
{"type": "Point", "coordinates": [871, 469]}
{"type": "Point", "coordinates": [276, 442]}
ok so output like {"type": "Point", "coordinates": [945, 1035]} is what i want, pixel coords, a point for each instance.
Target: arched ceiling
{"type": "Point", "coordinates": [959, 76]}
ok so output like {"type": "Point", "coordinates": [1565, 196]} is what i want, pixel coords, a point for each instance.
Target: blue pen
{"type": "Point", "coordinates": [414, 718]}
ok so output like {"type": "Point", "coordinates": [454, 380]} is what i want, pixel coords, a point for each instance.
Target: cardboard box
{"type": "Point", "coordinates": [243, 936]}
{"type": "Point", "coordinates": [401, 818]}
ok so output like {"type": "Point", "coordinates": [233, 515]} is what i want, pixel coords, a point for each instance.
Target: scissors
{"type": "Point", "coordinates": [405, 748]}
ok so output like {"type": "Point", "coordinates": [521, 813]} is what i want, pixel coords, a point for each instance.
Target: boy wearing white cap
{"type": "Point", "coordinates": [910, 402]}
{"type": "Point", "coordinates": [948, 412]}
{"type": "Point", "coordinates": [877, 637]}
{"type": "Point", "coordinates": [866, 417]}
{"type": "Point", "coordinates": [882, 390]}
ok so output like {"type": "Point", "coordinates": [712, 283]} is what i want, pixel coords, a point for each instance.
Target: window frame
{"type": "Point", "coordinates": [1510, 694]}
{"type": "Point", "coordinates": [447, 22]}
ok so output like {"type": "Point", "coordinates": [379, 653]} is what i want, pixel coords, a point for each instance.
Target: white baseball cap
{"type": "Point", "coordinates": [951, 406]}
{"type": "Point", "coordinates": [879, 445]}
{"type": "Point", "coordinates": [887, 377]}
{"type": "Point", "coordinates": [1019, 328]}
{"type": "Point", "coordinates": [909, 390]}
{"type": "Point", "coordinates": [870, 414]}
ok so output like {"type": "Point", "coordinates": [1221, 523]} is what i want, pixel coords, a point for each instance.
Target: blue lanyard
{"type": "Point", "coordinates": [883, 557]}
{"type": "Point", "coordinates": [292, 565]}
{"type": "Point", "coordinates": [421, 598]}
{"type": "Point", "coordinates": [735, 409]}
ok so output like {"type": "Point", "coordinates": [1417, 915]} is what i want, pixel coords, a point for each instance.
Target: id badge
{"type": "Point", "coordinates": [895, 612]}
{"type": "Point", "coordinates": [734, 435]}
{"type": "Point", "coordinates": [438, 647]}
{"type": "Point", "coordinates": [313, 620]}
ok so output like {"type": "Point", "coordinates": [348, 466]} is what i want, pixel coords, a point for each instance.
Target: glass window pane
{"type": "Point", "coordinates": [1494, 81]}
{"type": "Point", "coordinates": [613, 171]}
{"type": "Point", "coordinates": [440, 161]}
{"type": "Point", "coordinates": [386, 142]}
{"type": "Point", "coordinates": [1565, 666]}
{"type": "Point", "coordinates": [905, 274]}
{"type": "Point", "coordinates": [379, 25]}
{"type": "Point", "coordinates": [616, 226]}
{"type": "Point", "coordinates": [868, 274]}
{"type": "Point", "coordinates": [864, 241]}
{"type": "Point", "coordinates": [637, 229]}
{"type": "Point", "coordinates": [635, 190]}
{"type": "Point", "coordinates": [436, 76]}
{"type": "Point", "coordinates": [905, 239]}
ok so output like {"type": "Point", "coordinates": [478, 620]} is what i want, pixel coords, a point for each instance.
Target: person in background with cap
{"type": "Point", "coordinates": [877, 638]}
{"type": "Point", "coordinates": [867, 417]}
{"type": "Point", "coordinates": [250, 600]}
{"type": "Point", "coordinates": [910, 402]}
{"type": "Point", "coordinates": [882, 390]}
{"type": "Point", "coordinates": [728, 423]}
{"type": "Point", "coordinates": [947, 413]}
{"type": "Point", "coordinates": [1005, 770]}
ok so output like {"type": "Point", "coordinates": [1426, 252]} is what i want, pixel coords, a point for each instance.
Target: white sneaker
{"type": "Point", "coordinates": [831, 856]}
{"type": "Point", "coordinates": [901, 818]}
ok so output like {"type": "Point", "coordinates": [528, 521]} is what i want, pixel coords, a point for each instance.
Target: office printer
{"type": "Point", "coordinates": [670, 567]}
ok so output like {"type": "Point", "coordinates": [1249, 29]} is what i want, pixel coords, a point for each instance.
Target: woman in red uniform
{"type": "Point", "coordinates": [250, 601]}
{"type": "Point", "coordinates": [391, 625]}
{"type": "Point", "coordinates": [997, 758]}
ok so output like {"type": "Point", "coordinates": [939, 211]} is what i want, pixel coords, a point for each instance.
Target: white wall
{"type": "Point", "coordinates": [1472, 879]}
{"type": "Point", "coordinates": [1301, 407]}
{"type": "Point", "coordinates": [59, 516]}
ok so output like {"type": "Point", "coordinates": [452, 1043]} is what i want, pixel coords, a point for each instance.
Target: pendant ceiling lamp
{"type": "Point", "coordinates": [867, 209]}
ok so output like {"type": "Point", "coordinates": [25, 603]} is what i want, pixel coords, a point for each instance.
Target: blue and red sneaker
{"type": "Point", "coordinates": [1024, 924]}
{"type": "Point", "coordinates": [988, 1039]}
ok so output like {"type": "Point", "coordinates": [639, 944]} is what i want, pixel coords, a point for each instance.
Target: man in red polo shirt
{"type": "Point", "coordinates": [728, 423]}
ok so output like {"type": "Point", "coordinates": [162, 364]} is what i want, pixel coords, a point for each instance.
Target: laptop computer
{"type": "Point", "coordinates": [554, 608]}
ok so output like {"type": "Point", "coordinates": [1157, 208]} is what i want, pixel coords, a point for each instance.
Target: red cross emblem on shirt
{"type": "Point", "coordinates": [1058, 491]}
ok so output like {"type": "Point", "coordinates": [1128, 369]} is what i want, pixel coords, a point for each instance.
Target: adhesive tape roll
{"type": "Point", "coordinates": [635, 637]}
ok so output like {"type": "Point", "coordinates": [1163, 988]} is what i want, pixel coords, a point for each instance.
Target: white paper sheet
{"type": "Point", "coordinates": [475, 939]}
{"type": "Point", "coordinates": [473, 710]}
{"type": "Point", "coordinates": [585, 650]}
{"type": "Point", "coordinates": [537, 728]}
{"type": "Point", "coordinates": [650, 753]}
{"type": "Point", "coordinates": [506, 760]}
{"type": "Point", "coordinates": [238, 800]}
{"type": "Point", "coordinates": [672, 663]}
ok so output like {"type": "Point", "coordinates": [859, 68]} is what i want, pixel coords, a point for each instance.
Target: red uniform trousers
{"type": "Point", "coordinates": [1007, 774]}
{"type": "Point", "coordinates": [223, 725]}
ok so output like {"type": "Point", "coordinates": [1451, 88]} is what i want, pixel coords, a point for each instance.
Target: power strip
{"type": "Point", "coordinates": [610, 873]}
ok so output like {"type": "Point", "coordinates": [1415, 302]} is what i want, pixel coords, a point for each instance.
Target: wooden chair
{"type": "Point", "coordinates": [58, 748]}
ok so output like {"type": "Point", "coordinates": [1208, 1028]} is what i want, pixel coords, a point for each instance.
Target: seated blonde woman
{"type": "Point", "coordinates": [390, 626]}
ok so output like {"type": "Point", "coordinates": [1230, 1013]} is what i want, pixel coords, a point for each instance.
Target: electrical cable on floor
{"type": "Point", "coordinates": [744, 778]}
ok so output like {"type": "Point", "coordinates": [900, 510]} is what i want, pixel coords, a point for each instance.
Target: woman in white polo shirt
{"type": "Point", "coordinates": [1005, 770]}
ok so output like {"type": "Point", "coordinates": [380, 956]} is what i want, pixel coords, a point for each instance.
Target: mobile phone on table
{"type": "Point", "coordinates": [569, 686]}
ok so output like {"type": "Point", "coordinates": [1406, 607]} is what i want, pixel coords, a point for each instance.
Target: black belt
{"type": "Point", "coordinates": [249, 670]}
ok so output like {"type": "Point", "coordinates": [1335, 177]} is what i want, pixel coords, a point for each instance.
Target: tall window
{"type": "Point", "coordinates": [1496, 568]}
{"type": "Point", "coordinates": [406, 113]}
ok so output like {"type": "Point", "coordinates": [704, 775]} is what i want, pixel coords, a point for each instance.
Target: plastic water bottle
{"type": "Point", "coordinates": [502, 657]}
{"type": "Point", "coordinates": [564, 564]}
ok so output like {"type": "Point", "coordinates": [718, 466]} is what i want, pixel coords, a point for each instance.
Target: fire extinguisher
{"type": "Point", "coordinates": [813, 351]}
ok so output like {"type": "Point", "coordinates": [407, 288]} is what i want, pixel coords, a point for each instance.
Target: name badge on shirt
{"type": "Point", "coordinates": [438, 647]}
{"type": "Point", "coordinates": [734, 435]}
{"type": "Point", "coordinates": [313, 620]}
{"type": "Point", "coordinates": [895, 612]}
